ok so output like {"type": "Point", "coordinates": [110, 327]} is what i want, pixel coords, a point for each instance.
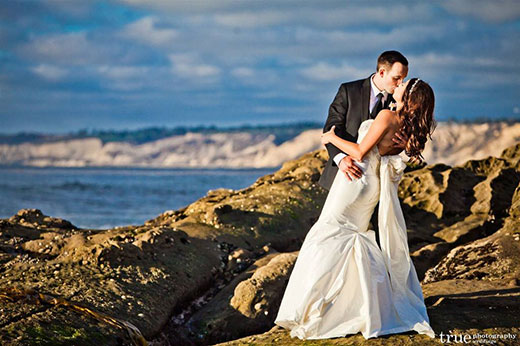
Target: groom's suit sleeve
{"type": "Point", "coordinates": [337, 116]}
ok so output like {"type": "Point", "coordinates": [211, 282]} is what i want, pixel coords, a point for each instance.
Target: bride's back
{"type": "Point", "coordinates": [385, 145]}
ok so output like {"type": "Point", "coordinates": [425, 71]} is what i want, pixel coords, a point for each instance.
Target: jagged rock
{"type": "Point", "coordinates": [512, 155]}
{"type": "Point", "coordinates": [239, 259]}
{"type": "Point", "coordinates": [259, 296]}
{"type": "Point", "coordinates": [452, 206]}
{"type": "Point", "coordinates": [481, 259]}
{"type": "Point", "coordinates": [494, 257]}
{"type": "Point", "coordinates": [34, 218]}
{"type": "Point", "coordinates": [428, 256]}
{"type": "Point", "coordinates": [247, 305]}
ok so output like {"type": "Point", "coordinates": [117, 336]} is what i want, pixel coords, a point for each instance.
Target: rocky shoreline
{"type": "Point", "coordinates": [215, 271]}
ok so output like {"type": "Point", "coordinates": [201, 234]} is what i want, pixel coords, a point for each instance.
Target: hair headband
{"type": "Point", "coordinates": [414, 84]}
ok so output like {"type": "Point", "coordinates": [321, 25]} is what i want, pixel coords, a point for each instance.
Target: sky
{"type": "Point", "coordinates": [67, 65]}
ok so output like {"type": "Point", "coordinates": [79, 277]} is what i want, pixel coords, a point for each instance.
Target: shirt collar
{"type": "Point", "coordinates": [374, 90]}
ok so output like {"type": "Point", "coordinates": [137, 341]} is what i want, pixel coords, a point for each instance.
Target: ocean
{"type": "Point", "coordinates": [100, 198]}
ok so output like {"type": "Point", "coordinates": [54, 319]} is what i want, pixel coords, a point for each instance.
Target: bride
{"type": "Point", "coordinates": [343, 282]}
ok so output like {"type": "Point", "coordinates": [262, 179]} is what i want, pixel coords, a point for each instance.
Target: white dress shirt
{"type": "Point", "coordinates": [374, 91]}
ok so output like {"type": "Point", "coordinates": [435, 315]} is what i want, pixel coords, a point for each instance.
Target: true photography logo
{"type": "Point", "coordinates": [477, 338]}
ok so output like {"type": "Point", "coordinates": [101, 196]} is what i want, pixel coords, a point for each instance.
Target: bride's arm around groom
{"type": "Point", "coordinates": [376, 131]}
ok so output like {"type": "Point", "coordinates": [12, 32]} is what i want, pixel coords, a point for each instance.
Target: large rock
{"type": "Point", "coordinates": [247, 305]}
{"type": "Point", "coordinates": [494, 257]}
{"type": "Point", "coordinates": [448, 206]}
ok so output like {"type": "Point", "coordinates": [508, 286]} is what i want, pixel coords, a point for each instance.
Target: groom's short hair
{"type": "Point", "coordinates": [389, 58]}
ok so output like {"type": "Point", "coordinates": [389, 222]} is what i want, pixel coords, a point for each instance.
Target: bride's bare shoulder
{"type": "Point", "coordinates": [386, 116]}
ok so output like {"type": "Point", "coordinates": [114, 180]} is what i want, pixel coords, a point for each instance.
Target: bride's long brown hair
{"type": "Point", "coordinates": [417, 117]}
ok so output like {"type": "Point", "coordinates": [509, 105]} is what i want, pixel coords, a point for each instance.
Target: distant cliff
{"type": "Point", "coordinates": [453, 143]}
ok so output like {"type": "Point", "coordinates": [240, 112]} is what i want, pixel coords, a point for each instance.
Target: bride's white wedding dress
{"type": "Point", "coordinates": [342, 282]}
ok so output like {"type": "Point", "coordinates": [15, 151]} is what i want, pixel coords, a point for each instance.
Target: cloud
{"type": "Point", "coordinates": [462, 63]}
{"type": "Point", "coordinates": [155, 79]}
{"type": "Point", "coordinates": [123, 72]}
{"type": "Point", "coordinates": [323, 71]}
{"type": "Point", "coordinates": [495, 11]}
{"type": "Point", "coordinates": [50, 72]}
{"type": "Point", "coordinates": [250, 19]}
{"type": "Point", "coordinates": [70, 48]}
{"type": "Point", "coordinates": [82, 48]}
{"type": "Point", "coordinates": [474, 81]}
{"type": "Point", "coordinates": [471, 73]}
{"type": "Point", "coordinates": [189, 66]}
{"type": "Point", "coordinates": [182, 6]}
{"type": "Point", "coordinates": [146, 30]}
{"type": "Point", "coordinates": [328, 13]}
{"type": "Point", "coordinates": [310, 15]}
{"type": "Point", "coordinates": [243, 72]}
{"type": "Point", "coordinates": [76, 9]}
{"type": "Point", "coordinates": [262, 78]}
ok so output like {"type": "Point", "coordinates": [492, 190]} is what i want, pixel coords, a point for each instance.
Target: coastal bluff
{"type": "Point", "coordinates": [214, 272]}
{"type": "Point", "coordinates": [452, 144]}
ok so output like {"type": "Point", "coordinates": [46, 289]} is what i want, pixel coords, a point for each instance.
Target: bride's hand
{"type": "Point", "coordinates": [327, 136]}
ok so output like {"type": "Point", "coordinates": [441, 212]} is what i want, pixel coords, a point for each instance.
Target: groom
{"type": "Point", "coordinates": [356, 102]}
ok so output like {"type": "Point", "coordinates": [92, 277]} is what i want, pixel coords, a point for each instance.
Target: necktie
{"type": "Point", "coordinates": [378, 106]}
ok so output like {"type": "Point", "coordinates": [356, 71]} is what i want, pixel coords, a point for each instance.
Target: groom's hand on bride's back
{"type": "Point", "coordinates": [400, 139]}
{"type": "Point", "coordinates": [349, 168]}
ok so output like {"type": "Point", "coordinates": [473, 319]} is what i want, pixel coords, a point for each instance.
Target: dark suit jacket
{"type": "Point", "coordinates": [347, 111]}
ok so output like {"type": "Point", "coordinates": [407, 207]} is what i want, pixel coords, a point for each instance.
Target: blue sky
{"type": "Point", "coordinates": [69, 65]}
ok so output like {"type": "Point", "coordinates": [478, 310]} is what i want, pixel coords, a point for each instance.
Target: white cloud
{"type": "Point", "coordinates": [249, 19]}
{"type": "Point", "coordinates": [75, 9]}
{"type": "Point", "coordinates": [469, 72]}
{"type": "Point", "coordinates": [474, 80]}
{"type": "Point", "coordinates": [135, 77]}
{"type": "Point", "coordinates": [488, 10]}
{"type": "Point", "coordinates": [243, 72]}
{"type": "Point", "coordinates": [296, 46]}
{"type": "Point", "coordinates": [323, 71]}
{"type": "Point", "coordinates": [124, 78]}
{"type": "Point", "coordinates": [329, 13]}
{"type": "Point", "coordinates": [182, 6]}
{"type": "Point", "coordinates": [50, 72]}
{"type": "Point", "coordinates": [280, 109]}
{"type": "Point", "coordinates": [188, 66]}
{"type": "Point", "coordinates": [436, 60]}
{"type": "Point", "coordinates": [146, 30]}
{"type": "Point", "coordinates": [461, 63]}
{"type": "Point", "coordinates": [68, 49]}
{"type": "Point", "coordinates": [65, 46]}
{"type": "Point", "coordinates": [261, 78]}
{"type": "Point", "coordinates": [378, 40]}
{"type": "Point", "coordinates": [123, 72]}
{"type": "Point", "coordinates": [351, 14]}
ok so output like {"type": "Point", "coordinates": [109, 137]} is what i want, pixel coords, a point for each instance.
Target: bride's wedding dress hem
{"type": "Point", "coordinates": [300, 332]}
